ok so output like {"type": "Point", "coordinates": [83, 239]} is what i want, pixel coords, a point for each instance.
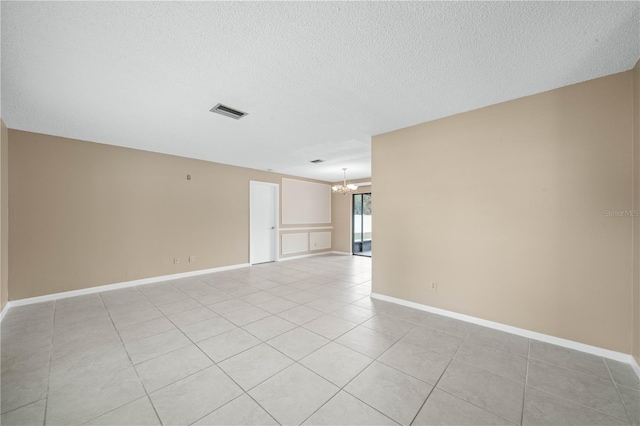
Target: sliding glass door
{"type": "Point", "coordinates": [362, 224]}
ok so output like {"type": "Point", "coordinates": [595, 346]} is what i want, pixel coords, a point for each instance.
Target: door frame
{"type": "Point", "coordinates": [276, 242]}
{"type": "Point", "coordinates": [353, 225]}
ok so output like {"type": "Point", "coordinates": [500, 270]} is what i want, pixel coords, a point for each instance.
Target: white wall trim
{"type": "Point", "coordinates": [606, 353]}
{"type": "Point", "coordinates": [306, 228]}
{"type": "Point", "coordinates": [635, 366]}
{"type": "Point", "coordinates": [342, 253]}
{"type": "Point", "coordinates": [117, 286]}
{"type": "Point", "coordinates": [293, 243]}
{"type": "Point", "coordinates": [5, 310]}
{"type": "Point", "coordinates": [320, 240]}
{"type": "Point", "coordinates": [302, 256]}
{"type": "Point", "coordinates": [305, 203]}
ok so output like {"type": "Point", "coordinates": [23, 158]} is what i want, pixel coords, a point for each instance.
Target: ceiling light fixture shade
{"type": "Point", "coordinates": [344, 189]}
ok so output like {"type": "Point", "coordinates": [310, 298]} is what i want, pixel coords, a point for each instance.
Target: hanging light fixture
{"type": "Point", "coordinates": [344, 188]}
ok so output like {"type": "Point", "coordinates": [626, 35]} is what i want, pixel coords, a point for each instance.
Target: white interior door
{"type": "Point", "coordinates": [264, 222]}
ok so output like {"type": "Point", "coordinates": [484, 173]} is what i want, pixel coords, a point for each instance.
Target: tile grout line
{"type": "Point", "coordinates": [590, 375]}
{"type": "Point", "coordinates": [259, 405]}
{"type": "Point", "coordinates": [526, 380]}
{"type": "Point", "coordinates": [574, 371]}
{"type": "Point", "coordinates": [329, 313]}
{"type": "Point", "coordinates": [131, 361]}
{"type": "Point", "coordinates": [178, 349]}
{"type": "Point", "coordinates": [273, 337]}
{"type": "Point", "coordinates": [360, 372]}
{"type": "Point", "coordinates": [469, 333]}
{"type": "Point", "coordinates": [279, 371]}
{"type": "Point", "coordinates": [477, 406]}
{"type": "Point", "coordinates": [229, 402]}
{"type": "Point", "coordinates": [264, 341]}
{"type": "Point", "coordinates": [576, 403]}
{"type": "Point", "coordinates": [193, 298]}
{"type": "Point", "coordinates": [342, 388]}
{"type": "Point", "coordinates": [626, 410]}
{"type": "Point", "coordinates": [158, 356]}
{"type": "Point", "coordinates": [189, 375]}
{"type": "Point", "coordinates": [491, 372]}
{"type": "Point", "coordinates": [25, 405]}
{"type": "Point", "coordinates": [53, 323]}
{"type": "Point", "coordinates": [440, 378]}
{"type": "Point", "coordinates": [244, 392]}
{"type": "Point", "coordinates": [214, 364]}
{"type": "Point", "coordinates": [353, 396]}
{"type": "Point", "coordinates": [162, 314]}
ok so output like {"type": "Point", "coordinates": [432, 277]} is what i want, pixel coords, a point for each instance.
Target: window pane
{"type": "Point", "coordinates": [366, 219]}
{"type": "Point", "coordinates": [357, 220]}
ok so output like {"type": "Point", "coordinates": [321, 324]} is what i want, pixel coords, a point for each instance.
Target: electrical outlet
{"type": "Point", "coordinates": [434, 286]}
{"type": "Point", "coordinates": [176, 260]}
{"type": "Point", "coordinates": [192, 259]}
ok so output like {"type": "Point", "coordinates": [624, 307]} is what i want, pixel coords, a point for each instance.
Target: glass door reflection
{"type": "Point", "coordinates": [362, 231]}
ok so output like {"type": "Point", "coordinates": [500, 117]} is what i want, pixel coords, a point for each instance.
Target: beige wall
{"type": "Point", "coordinates": [341, 217]}
{"type": "Point", "coordinates": [636, 206]}
{"type": "Point", "coordinates": [86, 214]}
{"type": "Point", "coordinates": [507, 213]}
{"type": "Point", "coordinates": [4, 215]}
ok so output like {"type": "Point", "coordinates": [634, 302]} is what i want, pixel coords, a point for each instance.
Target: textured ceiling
{"type": "Point", "coordinates": [317, 79]}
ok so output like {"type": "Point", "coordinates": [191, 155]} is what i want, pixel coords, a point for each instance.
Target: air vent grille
{"type": "Point", "coordinates": [228, 112]}
{"type": "Point", "coordinates": [317, 161]}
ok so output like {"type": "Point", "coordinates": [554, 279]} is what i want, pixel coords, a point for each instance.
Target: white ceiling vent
{"type": "Point", "coordinates": [228, 112]}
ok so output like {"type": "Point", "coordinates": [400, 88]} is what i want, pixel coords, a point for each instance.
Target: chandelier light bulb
{"type": "Point", "coordinates": [344, 189]}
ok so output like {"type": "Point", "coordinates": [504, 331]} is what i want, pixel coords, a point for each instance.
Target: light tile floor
{"type": "Point", "coordinates": [290, 343]}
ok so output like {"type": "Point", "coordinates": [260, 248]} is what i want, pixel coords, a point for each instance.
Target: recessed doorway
{"type": "Point", "coordinates": [362, 231]}
{"type": "Point", "coordinates": [263, 226]}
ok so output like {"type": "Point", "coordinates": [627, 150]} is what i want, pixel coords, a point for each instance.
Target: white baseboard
{"type": "Point", "coordinates": [635, 366]}
{"type": "Point", "coordinates": [5, 310]}
{"type": "Point", "coordinates": [606, 353]}
{"type": "Point", "coordinates": [117, 286]}
{"type": "Point", "coordinates": [302, 256]}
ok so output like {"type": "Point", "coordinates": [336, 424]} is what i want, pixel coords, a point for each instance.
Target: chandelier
{"type": "Point", "coordinates": [344, 189]}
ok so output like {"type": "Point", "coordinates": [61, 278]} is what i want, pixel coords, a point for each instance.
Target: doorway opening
{"type": "Point", "coordinates": [362, 231]}
{"type": "Point", "coordinates": [263, 225]}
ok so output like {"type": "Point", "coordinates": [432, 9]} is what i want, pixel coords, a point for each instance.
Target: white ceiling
{"type": "Point", "coordinates": [317, 79]}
